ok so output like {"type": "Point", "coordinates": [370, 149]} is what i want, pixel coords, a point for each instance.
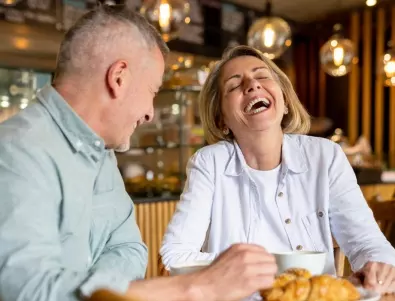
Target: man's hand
{"type": "Point", "coordinates": [376, 276]}
{"type": "Point", "coordinates": [237, 273]}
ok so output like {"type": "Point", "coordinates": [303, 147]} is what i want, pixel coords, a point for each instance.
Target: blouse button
{"type": "Point", "coordinates": [280, 194]}
{"type": "Point", "coordinates": [288, 221]}
{"type": "Point", "coordinates": [299, 247]}
{"type": "Point", "coordinates": [320, 214]}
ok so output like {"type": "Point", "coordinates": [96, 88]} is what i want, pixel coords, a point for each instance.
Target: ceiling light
{"type": "Point", "coordinates": [166, 15]}
{"type": "Point", "coordinates": [271, 35]}
{"type": "Point", "coordinates": [371, 2]}
{"type": "Point", "coordinates": [337, 54]}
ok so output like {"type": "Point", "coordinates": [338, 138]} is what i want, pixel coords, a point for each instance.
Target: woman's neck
{"type": "Point", "coordinates": [262, 150]}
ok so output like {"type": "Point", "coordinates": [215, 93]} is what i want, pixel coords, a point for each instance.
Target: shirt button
{"type": "Point", "coordinates": [78, 144]}
{"type": "Point", "coordinates": [288, 221]}
{"type": "Point", "coordinates": [320, 214]}
{"type": "Point", "coordinates": [97, 143]}
{"type": "Point", "coordinates": [280, 194]}
{"type": "Point", "coordinates": [299, 247]}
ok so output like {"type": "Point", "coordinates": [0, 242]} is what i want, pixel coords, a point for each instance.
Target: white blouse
{"type": "Point", "coordinates": [316, 195]}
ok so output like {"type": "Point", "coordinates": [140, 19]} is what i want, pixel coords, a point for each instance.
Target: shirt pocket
{"type": "Point", "coordinates": [75, 212]}
{"type": "Point", "coordinates": [314, 224]}
{"type": "Point", "coordinates": [104, 209]}
{"type": "Point", "coordinates": [110, 209]}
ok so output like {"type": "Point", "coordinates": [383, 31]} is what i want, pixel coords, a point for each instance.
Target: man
{"type": "Point", "coordinates": [67, 226]}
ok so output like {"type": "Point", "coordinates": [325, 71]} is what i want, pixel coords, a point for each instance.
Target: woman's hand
{"type": "Point", "coordinates": [377, 276]}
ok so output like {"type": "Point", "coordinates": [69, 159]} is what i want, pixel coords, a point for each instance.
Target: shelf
{"type": "Point", "coordinates": [181, 89]}
{"type": "Point", "coordinates": [154, 199]}
{"type": "Point", "coordinates": [149, 149]}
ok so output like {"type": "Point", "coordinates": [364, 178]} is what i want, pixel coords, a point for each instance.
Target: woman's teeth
{"type": "Point", "coordinates": [257, 105]}
{"type": "Point", "coordinates": [257, 110]}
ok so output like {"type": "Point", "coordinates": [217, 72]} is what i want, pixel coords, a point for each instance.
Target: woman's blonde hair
{"type": "Point", "coordinates": [297, 120]}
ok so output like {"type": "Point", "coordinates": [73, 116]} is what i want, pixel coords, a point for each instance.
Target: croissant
{"type": "Point", "coordinates": [299, 285]}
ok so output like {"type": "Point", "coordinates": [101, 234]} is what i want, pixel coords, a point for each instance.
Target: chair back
{"type": "Point", "coordinates": [161, 267]}
{"type": "Point", "coordinates": [340, 259]}
{"type": "Point", "coordinates": [384, 214]}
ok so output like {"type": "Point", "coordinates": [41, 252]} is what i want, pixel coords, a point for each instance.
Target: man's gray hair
{"type": "Point", "coordinates": [87, 43]}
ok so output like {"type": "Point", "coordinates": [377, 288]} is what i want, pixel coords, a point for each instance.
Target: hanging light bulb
{"type": "Point", "coordinates": [337, 54]}
{"type": "Point", "coordinates": [371, 2]}
{"type": "Point", "coordinates": [271, 35]}
{"type": "Point", "coordinates": [389, 66]}
{"type": "Point", "coordinates": [166, 15]}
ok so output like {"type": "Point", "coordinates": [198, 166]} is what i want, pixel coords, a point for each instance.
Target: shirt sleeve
{"type": "Point", "coordinates": [352, 221]}
{"type": "Point", "coordinates": [30, 247]}
{"type": "Point", "coordinates": [124, 258]}
{"type": "Point", "coordinates": [186, 232]}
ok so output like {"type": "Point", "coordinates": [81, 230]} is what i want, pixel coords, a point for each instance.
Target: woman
{"type": "Point", "coordinates": [262, 181]}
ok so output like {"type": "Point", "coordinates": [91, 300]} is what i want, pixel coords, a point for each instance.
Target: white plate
{"type": "Point", "coordinates": [367, 295]}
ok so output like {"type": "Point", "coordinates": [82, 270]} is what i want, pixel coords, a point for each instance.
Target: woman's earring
{"type": "Point", "coordinates": [225, 131]}
{"type": "Point", "coordinates": [285, 110]}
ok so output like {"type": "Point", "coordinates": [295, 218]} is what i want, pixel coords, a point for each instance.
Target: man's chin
{"type": "Point", "coordinates": [122, 148]}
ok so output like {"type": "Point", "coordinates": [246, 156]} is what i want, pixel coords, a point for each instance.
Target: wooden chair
{"type": "Point", "coordinates": [161, 267]}
{"type": "Point", "coordinates": [384, 213]}
{"type": "Point", "coordinates": [340, 259]}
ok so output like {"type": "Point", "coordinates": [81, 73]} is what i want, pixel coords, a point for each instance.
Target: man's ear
{"type": "Point", "coordinates": [116, 77]}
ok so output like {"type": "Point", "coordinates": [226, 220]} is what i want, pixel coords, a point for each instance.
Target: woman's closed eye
{"type": "Point", "coordinates": [262, 75]}
{"type": "Point", "coordinates": [234, 87]}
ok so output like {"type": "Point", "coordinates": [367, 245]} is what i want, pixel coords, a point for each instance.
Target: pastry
{"type": "Point", "coordinates": [300, 272]}
{"type": "Point", "coordinates": [299, 285]}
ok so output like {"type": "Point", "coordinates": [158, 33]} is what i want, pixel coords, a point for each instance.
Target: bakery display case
{"type": "Point", "coordinates": [156, 162]}
{"type": "Point", "coordinates": [17, 89]}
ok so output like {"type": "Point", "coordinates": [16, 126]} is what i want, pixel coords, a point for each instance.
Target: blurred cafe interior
{"type": "Point", "coordinates": [339, 54]}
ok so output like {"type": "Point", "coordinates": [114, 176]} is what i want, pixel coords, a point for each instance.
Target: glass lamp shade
{"type": "Point", "coordinates": [166, 15]}
{"type": "Point", "coordinates": [389, 67]}
{"type": "Point", "coordinates": [271, 35]}
{"type": "Point", "coordinates": [337, 55]}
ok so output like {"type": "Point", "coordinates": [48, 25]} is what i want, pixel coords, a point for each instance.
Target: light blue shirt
{"type": "Point", "coordinates": [67, 225]}
{"type": "Point", "coordinates": [316, 196]}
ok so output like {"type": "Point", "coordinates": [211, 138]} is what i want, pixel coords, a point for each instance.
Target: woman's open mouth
{"type": "Point", "coordinates": [257, 105]}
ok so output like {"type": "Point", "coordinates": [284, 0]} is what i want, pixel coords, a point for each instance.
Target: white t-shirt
{"type": "Point", "coordinates": [269, 218]}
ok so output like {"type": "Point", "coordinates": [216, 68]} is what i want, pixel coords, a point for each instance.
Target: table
{"type": "Point", "coordinates": [105, 295]}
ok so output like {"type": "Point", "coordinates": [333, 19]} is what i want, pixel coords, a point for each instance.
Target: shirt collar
{"type": "Point", "coordinates": [80, 136]}
{"type": "Point", "coordinates": [293, 157]}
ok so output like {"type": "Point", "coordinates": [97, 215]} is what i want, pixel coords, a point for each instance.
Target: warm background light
{"type": "Point", "coordinates": [164, 16]}
{"type": "Point", "coordinates": [371, 2]}
{"type": "Point", "coordinates": [168, 16]}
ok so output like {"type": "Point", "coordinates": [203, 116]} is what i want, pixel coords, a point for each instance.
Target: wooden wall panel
{"type": "Point", "coordinates": [366, 74]}
{"type": "Point", "coordinates": [392, 103]}
{"type": "Point", "coordinates": [312, 99]}
{"type": "Point", "coordinates": [379, 85]}
{"type": "Point", "coordinates": [357, 102]}
{"type": "Point", "coordinates": [152, 219]}
{"type": "Point", "coordinates": [354, 84]}
{"type": "Point", "coordinates": [321, 89]}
